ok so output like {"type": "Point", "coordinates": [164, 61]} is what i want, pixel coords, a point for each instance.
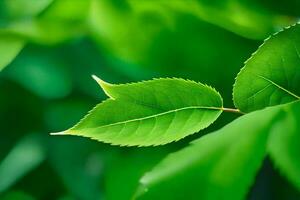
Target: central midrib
{"type": "Point", "coordinates": [159, 114]}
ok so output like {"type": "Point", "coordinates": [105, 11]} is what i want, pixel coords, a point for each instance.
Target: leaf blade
{"type": "Point", "coordinates": [271, 76]}
{"type": "Point", "coordinates": [155, 112]}
{"type": "Point", "coordinates": [283, 145]}
{"type": "Point", "coordinates": [224, 166]}
{"type": "Point", "coordinates": [10, 47]}
{"type": "Point", "coordinates": [25, 156]}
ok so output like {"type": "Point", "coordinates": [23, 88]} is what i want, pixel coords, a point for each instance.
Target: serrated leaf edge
{"type": "Point", "coordinates": [254, 53]}
{"type": "Point", "coordinates": [104, 85]}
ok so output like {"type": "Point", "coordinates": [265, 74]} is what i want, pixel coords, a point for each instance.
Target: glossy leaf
{"type": "Point", "coordinates": [149, 113]}
{"type": "Point", "coordinates": [221, 165]}
{"type": "Point", "coordinates": [284, 144]}
{"type": "Point", "coordinates": [271, 76]}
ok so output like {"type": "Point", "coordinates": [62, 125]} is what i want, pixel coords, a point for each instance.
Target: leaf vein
{"type": "Point", "coordinates": [279, 87]}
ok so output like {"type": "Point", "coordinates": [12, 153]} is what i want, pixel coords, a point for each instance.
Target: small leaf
{"type": "Point", "coordinates": [149, 113]}
{"type": "Point", "coordinates": [10, 46]}
{"type": "Point", "coordinates": [220, 165]}
{"type": "Point", "coordinates": [284, 144]}
{"type": "Point", "coordinates": [271, 76]}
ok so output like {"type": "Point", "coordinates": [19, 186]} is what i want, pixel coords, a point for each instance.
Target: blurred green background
{"type": "Point", "coordinates": [52, 47]}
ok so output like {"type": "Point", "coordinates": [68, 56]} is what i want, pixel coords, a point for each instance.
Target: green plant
{"type": "Point", "coordinates": [224, 163]}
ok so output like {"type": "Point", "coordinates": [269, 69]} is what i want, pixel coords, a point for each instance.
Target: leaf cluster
{"type": "Point", "coordinates": [225, 162]}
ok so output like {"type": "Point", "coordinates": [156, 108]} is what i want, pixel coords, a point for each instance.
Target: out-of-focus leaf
{"type": "Point", "coordinates": [127, 167]}
{"type": "Point", "coordinates": [116, 22]}
{"type": "Point", "coordinates": [113, 24]}
{"type": "Point", "coordinates": [84, 58]}
{"type": "Point", "coordinates": [80, 166]}
{"type": "Point", "coordinates": [10, 46]}
{"type": "Point", "coordinates": [17, 195]}
{"type": "Point", "coordinates": [284, 144]}
{"type": "Point", "coordinates": [149, 113]}
{"type": "Point", "coordinates": [67, 198]}
{"type": "Point", "coordinates": [62, 21]}
{"type": "Point", "coordinates": [67, 10]}
{"type": "Point", "coordinates": [23, 8]}
{"type": "Point", "coordinates": [246, 18]}
{"type": "Point", "coordinates": [45, 31]}
{"type": "Point", "coordinates": [271, 76]}
{"type": "Point", "coordinates": [146, 42]}
{"type": "Point", "coordinates": [41, 73]}
{"type": "Point", "coordinates": [25, 156]}
{"type": "Point", "coordinates": [221, 165]}
{"type": "Point", "coordinates": [55, 117]}
{"type": "Point", "coordinates": [287, 8]}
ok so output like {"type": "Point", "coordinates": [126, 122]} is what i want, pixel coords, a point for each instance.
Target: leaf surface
{"type": "Point", "coordinates": [42, 73]}
{"type": "Point", "coordinates": [23, 158]}
{"type": "Point", "coordinates": [258, 22]}
{"type": "Point", "coordinates": [221, 165]}
{"type": "Point", "coordinates": [271, 76]}
{"type": "Point", "coordinates": [149, 113]}
{"type": "Point", "coordinates": [10, 47]}
{"type": "Point", "coordinates": [284, 144]}
{"type": "Point", "coordinates": [23, 8]}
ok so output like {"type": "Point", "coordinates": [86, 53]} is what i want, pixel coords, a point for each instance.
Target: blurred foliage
{"type": "Point", "coordinates": [11, 46]}
{"type": "Point", "coordinates": [53, 46]}
{"type": "Point", "coordinates": [24, 157]}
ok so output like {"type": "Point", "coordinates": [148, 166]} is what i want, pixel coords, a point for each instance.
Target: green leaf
{"type": "Point", "coordinates": [220, 165]}
{"type": "Point", "coordinates": [45, 31]}
{"type": "Point", "coordinates": [149, 113]}
{"type": "Point", "coordinates": [248, 19]}
{"type": "Point", "coordinates": [23, 8]}
{"type": "Point", "coordinates": [128, 168]}
{"type": "Point", "coordinates": [17, 195]}
{"type": "Point", "coordinates": [86, 167]}
{"type": "Point", "coordinates": [284, 144]}
{"type": "Point", "coordinates": [24, 157]}
{"type": "Point", "coordinates": [42, 73]}
{"type": "Point", "coordinates": [59, 22]}
{"type": "Point", "coordinates": [147, 49]}
{"type": "Point", "coordinates": [10, 46]}
{"type": "Point", "coordinates": [271, 76]}
{"type": "Point", "coordinates": [67, 10]}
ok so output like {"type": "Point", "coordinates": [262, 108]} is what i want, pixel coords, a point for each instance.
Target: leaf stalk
{"type": "Point", "coordinates": [232, 110]}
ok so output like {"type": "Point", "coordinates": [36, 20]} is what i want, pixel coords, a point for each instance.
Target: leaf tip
{"type": "Point", "coordinates": [100, 81]}
{"type": "Point", "coordinates": [59, 133]}
{"type": "Point", "coordinates": [104, 85]}
{"type": "Point", "coordinates": [142, 189]}
{"type": "Point", "coordinates": [96, 78]}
